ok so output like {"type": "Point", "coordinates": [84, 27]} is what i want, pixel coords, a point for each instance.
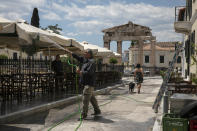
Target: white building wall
{"type": "Point", "coordinates": [193, 67]}
{"type": "Point", "coordinates": [194, 6]}
{"type": "Point", "coordinates": [168, 57]}
{"type": "Point", "coordinates": [9, 53]}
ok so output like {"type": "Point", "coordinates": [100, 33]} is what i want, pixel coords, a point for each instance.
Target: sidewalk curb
{"type": "Point", "coordinates": [158, 121]}
{"type": "Point", "coordinates": [67, 101]}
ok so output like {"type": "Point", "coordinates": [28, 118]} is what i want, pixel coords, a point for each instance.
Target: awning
{"type": "Point", "coordinates": [13, 35]}
{"type": "Point", "coordinates": [98, 51]}
{"type": "Point", "coordinates": [7, 26]}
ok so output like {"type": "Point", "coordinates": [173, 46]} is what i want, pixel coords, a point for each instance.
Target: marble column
{"type": "Point", "coordinates": [153, 42]}
{"type": "Point", "coordinates": [119, 47]}
{"type": "Point", "coordinates": [152, 60]}
{"type": "Point", "coordinates": [140, 52]}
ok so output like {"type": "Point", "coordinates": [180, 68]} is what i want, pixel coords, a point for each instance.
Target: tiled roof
{"type": "Point", "coordinates": [157, 47]}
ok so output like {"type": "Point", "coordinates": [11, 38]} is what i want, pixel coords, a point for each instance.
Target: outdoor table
{"type": "Point", "coordinates": [189, 89]}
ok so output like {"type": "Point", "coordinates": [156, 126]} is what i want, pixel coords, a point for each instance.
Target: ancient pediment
{"type": "Point", "coordinates": [129, 29]}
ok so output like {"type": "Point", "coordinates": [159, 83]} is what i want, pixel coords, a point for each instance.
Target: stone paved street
{"type": "Point", "coordinates": [124, 112]}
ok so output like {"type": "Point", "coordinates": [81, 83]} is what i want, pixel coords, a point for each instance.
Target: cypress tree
{"type": "Point", "coordinates": [35, 18]}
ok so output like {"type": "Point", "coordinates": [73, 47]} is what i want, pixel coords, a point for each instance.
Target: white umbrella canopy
{"type": "Point", "coordinates": [87, 46]}
{"type": "Point", "coordinates": [98, 51]}
{"type": "Point", "coordinates": [66, 42]}
{"type": "Point", "coordinates": [8, 36]}
{"type": "Point", "coordinates": [6, 26]}
{"type": "Point", "coordinates": [103, 52]}
{"type": "Point", "coordinates": [116, 54]}
{"type": "Point", "coordinates": [16, 34]}
{"type": "Point", "coordinates": [51, 37]}
{"type": "Point", "coordinates": [46, 39]}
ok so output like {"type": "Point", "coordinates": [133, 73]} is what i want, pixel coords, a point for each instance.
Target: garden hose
{"type": "Point", "coordinates": [79, 108]}
{"type": "Point", "coordinates": [77, 97]}
{"type": "Point", "coordinates": [73, 114]}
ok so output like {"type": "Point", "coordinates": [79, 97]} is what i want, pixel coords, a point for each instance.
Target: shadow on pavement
{"type": "Point", "coordinates": [12, 128]}
{"type": "Point", "coordinates": [102, 119]}
{"type": "Point", "coordinates": [119, 88]}
{"type": "Point", "coordinates": [38, 118]}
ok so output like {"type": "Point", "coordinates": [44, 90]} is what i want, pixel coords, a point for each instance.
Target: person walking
{"type": "Point", "coordinates": [138, 76]}
{"type": "Point", "coordinates": [87, 79]}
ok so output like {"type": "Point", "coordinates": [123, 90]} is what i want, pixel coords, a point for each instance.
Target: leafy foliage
{"type": "Point", "coordinates": [35, 18]}
{"type": "Point", "coordinates": [194, 80]}
{"type": "Point", "coordinates": [54, 28]}
{"type": "Point", "coordinates": [133, 42]}
{"type": "Point", "coordinates": [194, 60]}
{"type": "Point", "coordinates": [3, 56]}
{"type": "Point", "coordinates": [113, 61]}
{"type": "Point", "coordinates": [193, 56]}
{"type": "Point", "coordinates": [162, 73]}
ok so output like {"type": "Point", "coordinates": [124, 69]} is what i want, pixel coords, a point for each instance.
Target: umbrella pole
{"type": "Point", "coordinates": [20, 59]}
{"type": "Point", "coordinates": [96, 64]}
{"type": "Point", "coordinates": [49, 59]}
{"type": "Point", "coordinates": [72, 66]}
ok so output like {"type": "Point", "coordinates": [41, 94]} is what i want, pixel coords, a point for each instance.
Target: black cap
{"type": "Point", "coordinates": [89, 51]}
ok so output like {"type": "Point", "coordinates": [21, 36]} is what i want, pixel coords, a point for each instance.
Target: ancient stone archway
{"type": "Point", "coordinates": [128, 32]}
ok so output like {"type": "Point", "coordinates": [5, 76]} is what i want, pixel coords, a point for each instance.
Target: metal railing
{"type": "Point", "coordinates": [24, 66]}
{"type": "Point", "coordinates": [25, 79]}
{"type": "Point", "coordinates": [182, 13]}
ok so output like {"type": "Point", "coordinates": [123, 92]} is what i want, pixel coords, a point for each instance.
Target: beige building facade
{"type": "Point", "coordinates": [163, 55]}
{"type": "Point", "coordinates": [186, 24]}
{"type": "Point", "coordinates": [16, 54]}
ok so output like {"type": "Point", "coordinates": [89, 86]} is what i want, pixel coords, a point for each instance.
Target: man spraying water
{"type": "Point", "coordinates": [87, 78]}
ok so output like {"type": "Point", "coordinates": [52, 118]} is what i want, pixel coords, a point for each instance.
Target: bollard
{"type": "Point", "coordinates": [165, 103]}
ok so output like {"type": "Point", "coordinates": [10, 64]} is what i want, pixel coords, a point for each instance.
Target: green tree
{"type": "Point", "coordinates": [162, 73]}
{"type": "Point", "coordinates": [113, 61]}
{"type": "Point", "coordinates": [35, 18]}
{"type": "Point", "coordinates": [133, 42]}
{"type": "Point", "coordinates": [2, 56]}
{"type": "Point", "coordinates": [54, 28]}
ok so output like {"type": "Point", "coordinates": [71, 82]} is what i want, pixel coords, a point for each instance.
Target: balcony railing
{"type": "Point", "coordinates": [183, 13]}
{"type": "Point", "coordinates": [180, 13]}
{"type": "Point", "coordinates": [182, 22]}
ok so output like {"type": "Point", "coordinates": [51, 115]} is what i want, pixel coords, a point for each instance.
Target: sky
{"type": "Point", "coordinates": [84, 20]}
